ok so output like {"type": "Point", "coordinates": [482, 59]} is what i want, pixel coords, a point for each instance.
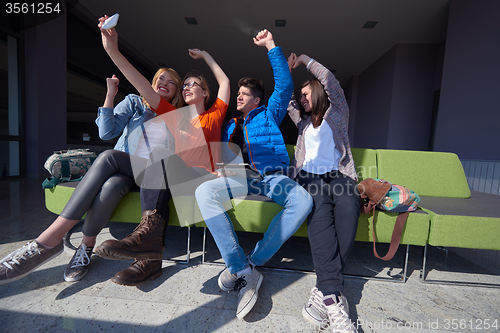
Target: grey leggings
{"type": "Point", "coordinates": [99, 192]}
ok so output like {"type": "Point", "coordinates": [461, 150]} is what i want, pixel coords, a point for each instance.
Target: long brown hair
{"type": "Point", "coordinates": [177, 100]}
{"type": "Point", "coordinates": [319, 99]}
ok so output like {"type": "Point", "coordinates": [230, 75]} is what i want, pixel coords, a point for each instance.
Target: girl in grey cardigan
{"type": "Point", "coordinates": [324, 166]}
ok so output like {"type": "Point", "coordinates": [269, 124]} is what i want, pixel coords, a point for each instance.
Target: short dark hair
{"type": "Point", "coordinates": [255, 85]}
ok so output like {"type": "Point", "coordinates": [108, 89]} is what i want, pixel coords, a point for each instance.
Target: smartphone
{"type": "Point", "coordinates": [111, 22]}
{"type": "Point", "coordinates": [232, 164]}
{"type": "Point", "coordinates": [251, 172]}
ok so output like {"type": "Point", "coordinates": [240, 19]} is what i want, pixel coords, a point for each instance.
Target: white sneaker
{"type": "Point", "coordinates": [247, 287]}
{"type": "Point", "coordinates": [314, 311]}
{"type": "Point", "coordinates": [337, 310]}
{"type": "Point", "coordinates": [227, 280]}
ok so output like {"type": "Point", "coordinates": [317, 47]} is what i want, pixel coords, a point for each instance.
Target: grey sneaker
{"type": "Point", "coordinates": [247, 287]}
{"type": "Point", "coordinates": [337, 310]}
{"type": "Point", "coordinates": [314, 311]}
{"type": "Point", "coordinates": [25, 260]}
{"type": "Point", "coordinates": [78, 267]}
{"type": "Point", "coordinates": [227, 280]}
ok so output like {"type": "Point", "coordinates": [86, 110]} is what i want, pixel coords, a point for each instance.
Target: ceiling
{"type": "Point", "coordinates": [329, 31]}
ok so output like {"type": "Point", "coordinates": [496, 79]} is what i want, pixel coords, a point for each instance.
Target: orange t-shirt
{"type": "Point", "coordinates": [197, 141]}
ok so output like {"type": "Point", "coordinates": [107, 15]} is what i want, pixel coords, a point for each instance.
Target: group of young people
{"type": "Point", "coordinates": [170, 140]}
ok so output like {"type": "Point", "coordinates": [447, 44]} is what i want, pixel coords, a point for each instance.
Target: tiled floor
{"type": "Point", "coordinates": [186, 298]}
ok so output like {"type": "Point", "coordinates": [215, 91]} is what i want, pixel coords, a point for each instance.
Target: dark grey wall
{"type": "Point", "coordinates": [372, 111]}
{"type": "Point", "coordinates": [412, 97]}
{"type": "Point", "coordinates": [45, 104]}
{"type": "Point", "coordinates": [395, 95]}
{"type": "Point", "coordinates": [394, 99]}
{"type": "Point", "coordinates": [469, 110]}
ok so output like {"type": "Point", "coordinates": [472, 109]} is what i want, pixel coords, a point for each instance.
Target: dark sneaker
{"type": "Point", "coordinates": [314, 311]}
{"type": "Point", "coordinates": [138, 273]}
{"type": "Point", "coordinates": [227, 280]}
{"type": "Point", "coordinates": [78, 267]}
{"type": "Point", "coordinates": [247, 287]}
{"type": "Point", "coordinates": [25, 260]}
{"type": "Point", "coordinates": [337, 310]}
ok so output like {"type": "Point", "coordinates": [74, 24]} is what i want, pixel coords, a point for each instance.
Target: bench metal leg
{"type": "Point", "coordinates": [403, 279]}
{"type": "Point", "coordinates": [67, 237]}
{"type": "Point", "coordinates": [423, 277]}
{"type": "Point", "coordinates": [188, 251]}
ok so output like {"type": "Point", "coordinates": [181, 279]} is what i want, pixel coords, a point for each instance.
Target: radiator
{"type": "Point", "coordinates": [483, 176]}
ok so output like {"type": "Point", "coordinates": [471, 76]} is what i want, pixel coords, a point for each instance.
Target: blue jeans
{"type": "Point", "coordinates": [212, 195]}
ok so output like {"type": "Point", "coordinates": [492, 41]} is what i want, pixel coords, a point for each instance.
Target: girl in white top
{"type": "Point", "coordinates": [323, 165]}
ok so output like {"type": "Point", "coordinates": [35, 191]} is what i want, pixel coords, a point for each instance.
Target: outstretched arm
{"type": "Point", "coordinates": [220, 76]}
{"type": "Point", "coordinates": [110, 44]}
{"type": "Point", "coordinates": [283, 83]}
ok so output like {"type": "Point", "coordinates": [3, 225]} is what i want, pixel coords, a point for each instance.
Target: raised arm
{"type": "Point", "coordinates": [331, 85]}
{"type": "Point", "coordinates": [302, 59]}
{"type": "Point", "coordinates": [283, 83]}
{"type": "Point", "coordinates": [265, 38]}
{"type": "Point", "coordinates": [112, 85]}
{"type": "Point", "coordinates": [220, 76]}
{"type": "Point", "coordinates": [143, 86]}
{"type": "Point", "coordinates": [293, 107]}
{"type": "Point", "coordinates": [112, 120]}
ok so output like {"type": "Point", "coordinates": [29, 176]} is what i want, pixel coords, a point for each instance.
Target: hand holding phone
{"type": "Point", "coordinates": [110, 22]}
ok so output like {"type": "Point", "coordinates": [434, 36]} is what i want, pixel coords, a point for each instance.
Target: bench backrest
{"type": "Point", "coordinates": [427, 173]}
{"type": "Point", "coordinates": [366, 162]}
{"type": "Point", "coordinates": [364, 159]}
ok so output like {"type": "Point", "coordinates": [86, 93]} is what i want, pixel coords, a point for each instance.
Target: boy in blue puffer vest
{"type": "Point", "coordinates": [258, 136]}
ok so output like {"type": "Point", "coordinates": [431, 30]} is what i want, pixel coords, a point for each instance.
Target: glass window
{"type": "Point", "coordinates": [9, 158]}
{"type": "Point", "coordinates": [4, 91]}
{"type": "Point", "coordinates": [9, 108]}
{"type": "Point", "coordinates": [84, 97]}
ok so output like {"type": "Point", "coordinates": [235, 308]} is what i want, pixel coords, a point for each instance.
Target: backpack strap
{"type": "Point", "coordinates": [65, 170]}
{"type": "Point", "coordinates": [396, 235]}
{"type": "Point", "coordinates": [53, 181]}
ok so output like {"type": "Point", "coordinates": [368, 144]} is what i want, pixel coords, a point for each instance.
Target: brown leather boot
{"type": "Point", "coordinates": [138, 273]}
{"type": "Point", "coordinates": [144, 243]}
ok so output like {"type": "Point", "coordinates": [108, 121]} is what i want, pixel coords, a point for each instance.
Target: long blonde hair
{"type": "Point", "coordinates": [177, 100]}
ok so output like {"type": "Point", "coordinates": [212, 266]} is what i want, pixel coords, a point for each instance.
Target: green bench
{"type": "Point", "coordinates": [450, 215]}
{"type": "Point", "coordinates": [254, 213]}
{"type": "Point", "coordinates": [458, 217]}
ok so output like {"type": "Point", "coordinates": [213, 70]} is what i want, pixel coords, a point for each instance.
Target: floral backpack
{"type": "Point", "coordinates": [378, 193]}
